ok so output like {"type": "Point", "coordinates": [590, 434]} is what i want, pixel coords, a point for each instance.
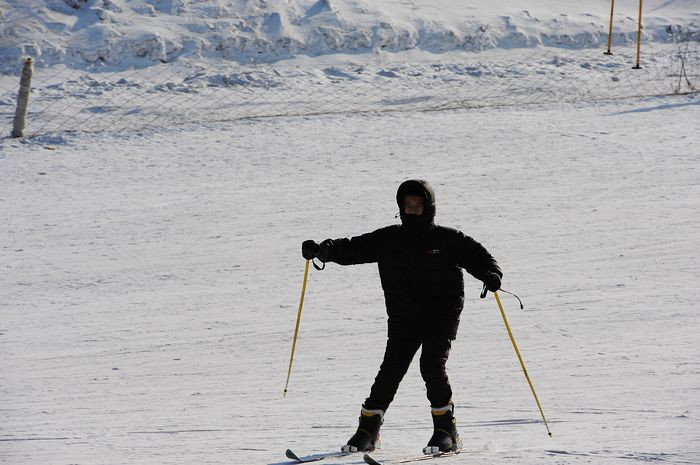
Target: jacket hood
{"type": "Point", "coordinates": [420, 188]}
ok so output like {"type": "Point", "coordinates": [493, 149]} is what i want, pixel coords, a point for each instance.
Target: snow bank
{"type": "Point", "coordinates": [127, 33]}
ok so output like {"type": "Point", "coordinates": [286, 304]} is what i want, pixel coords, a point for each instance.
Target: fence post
{"type": "Point", "coordinates": [25, 86]}
{"type": "Point", "coordinates": [639, 36]}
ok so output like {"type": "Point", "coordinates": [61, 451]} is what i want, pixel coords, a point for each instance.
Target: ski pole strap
{"type": "Point", "coordinates": [319, 268]}
{"type": "Point", "coordinates": [522, 307]}
{"type": "Point", "coordinates": [484, 291]}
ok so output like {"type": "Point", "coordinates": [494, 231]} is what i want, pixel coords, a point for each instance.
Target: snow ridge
{"type": "Point", "coordinates": [141, 32]}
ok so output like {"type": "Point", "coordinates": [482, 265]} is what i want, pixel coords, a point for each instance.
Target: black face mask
{"type": "Point", "coordinates": [415, 224]}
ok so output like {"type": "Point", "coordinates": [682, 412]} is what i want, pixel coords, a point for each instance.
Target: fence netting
{"type": "Point", "coordinates": [67, 99]}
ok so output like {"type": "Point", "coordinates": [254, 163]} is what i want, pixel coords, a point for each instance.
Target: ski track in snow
{"type": "Point", "coordinates": [151, 284]}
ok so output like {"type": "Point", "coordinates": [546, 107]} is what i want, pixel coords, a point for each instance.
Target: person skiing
{"type": "Point", "coordinates": [420, 268]}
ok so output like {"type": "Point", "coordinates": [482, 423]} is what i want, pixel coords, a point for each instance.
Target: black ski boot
{"type": "Point", "coordinates": [445, 436]}
{"type": "Point", "coordinates": [366, 438]}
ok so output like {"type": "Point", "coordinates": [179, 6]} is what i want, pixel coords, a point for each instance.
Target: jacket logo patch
{"type": "Point", "coordinates": [433, 251]}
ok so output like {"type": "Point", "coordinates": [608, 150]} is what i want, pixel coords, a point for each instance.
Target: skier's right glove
{"type": "Point", "coordinates": [310, 249]}
{"type": "Point", "coordinates": [322, 251]}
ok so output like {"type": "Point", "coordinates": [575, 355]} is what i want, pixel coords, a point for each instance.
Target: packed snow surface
{"type": "Point", "coordinates": [151, 286]}
{"type": "Point", "coordinates": [152, 272]}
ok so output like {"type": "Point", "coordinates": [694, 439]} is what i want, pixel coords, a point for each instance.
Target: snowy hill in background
{"type": "Point", "coordinates": [128, 33]}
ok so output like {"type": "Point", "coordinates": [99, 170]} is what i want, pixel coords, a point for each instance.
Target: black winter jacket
{"type": "Point", "coordinates": [421, 274]}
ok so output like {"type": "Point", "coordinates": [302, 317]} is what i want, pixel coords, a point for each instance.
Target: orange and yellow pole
{"type": "Point", "coordinates": [639, 36]}
{"type": "Point", "coordinates": [612, 10]}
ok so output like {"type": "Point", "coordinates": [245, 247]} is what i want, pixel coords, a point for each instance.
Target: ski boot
{"type": "Point", "coordinates": [445, 436]}
{"type": "Point", "coordinates": [366, 438]}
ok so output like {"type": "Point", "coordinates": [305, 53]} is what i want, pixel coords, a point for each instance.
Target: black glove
{"type": "Point", "coordinates": [310, 250]}
{"type": "Point", "coordinates": [492, 281]}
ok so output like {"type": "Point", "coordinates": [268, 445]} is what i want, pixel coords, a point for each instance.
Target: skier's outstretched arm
{"type": "Point", "coordinates": [345, 251]}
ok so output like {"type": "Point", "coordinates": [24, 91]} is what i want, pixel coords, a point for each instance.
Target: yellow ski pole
{"type": "Point", "coordinates": [296, 329]}
{"type": "Point", "coordinates": [522, 364]}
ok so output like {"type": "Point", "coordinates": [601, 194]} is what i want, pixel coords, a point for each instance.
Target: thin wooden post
{"type": "Point", "coordinates": [25, 86]}
{"type": "Point", "coordinates": [612, 10]}
{"type": "Point", "coordinates": [639, 36]}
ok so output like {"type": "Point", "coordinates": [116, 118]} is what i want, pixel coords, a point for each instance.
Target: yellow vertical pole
{"type": "Point", "coordinates": [639, 36]}
{"type": "Point", "coordinates": [612, 9]}
{"type": "Point", "coordinates": [522, 364]}
{"type": "Point", "coordinates": [296, 329]}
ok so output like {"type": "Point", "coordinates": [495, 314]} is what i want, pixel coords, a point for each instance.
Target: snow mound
{"type": "Point", "coordinates": [137, 33]}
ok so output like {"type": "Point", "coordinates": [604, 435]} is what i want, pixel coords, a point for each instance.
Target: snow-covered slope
{"type": "Point", "coordinates": [128, 32]}
{"type": "Point", "coordinates": [151, 280]}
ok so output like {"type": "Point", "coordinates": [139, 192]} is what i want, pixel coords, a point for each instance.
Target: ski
{"type": "Point", "coordinates": [419, 458]}
{"type": "Point", "coordinates": [314, 457]}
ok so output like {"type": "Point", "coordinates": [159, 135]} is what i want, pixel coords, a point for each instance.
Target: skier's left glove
{"type": "Point", "coordinates": [492, 281]}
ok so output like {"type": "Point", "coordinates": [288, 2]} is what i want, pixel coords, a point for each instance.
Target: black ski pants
{"type": "Point", "coordinates": [397, 358]}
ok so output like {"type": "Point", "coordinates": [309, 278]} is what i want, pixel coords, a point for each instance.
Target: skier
{"type": "Point", "coordinates": [420, 270]}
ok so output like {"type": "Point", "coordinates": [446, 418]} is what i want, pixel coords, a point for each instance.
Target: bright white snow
{"type": "Point", "coordinates": [152, 277]}
{"type": "Point", "coordinates": [151, 286]}
{"type": "Point", "coordinates": [138, 32]}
